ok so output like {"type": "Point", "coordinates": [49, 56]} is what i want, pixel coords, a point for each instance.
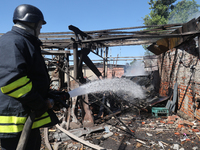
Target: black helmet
{"type": "Point", "coordinates": [28, 13]}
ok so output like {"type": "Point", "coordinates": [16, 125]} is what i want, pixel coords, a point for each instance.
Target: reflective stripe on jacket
{"type": "Point", "coordinates": [15, 124]}
{"type": "Point", "coordinates": [18, 88]}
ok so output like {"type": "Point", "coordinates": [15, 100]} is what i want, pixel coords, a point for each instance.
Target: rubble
{"type": "Point", "coordinates": [161, 128]}
{"type": "Point", "coordinates": [144, 124]}
{"type": "Point", "coordinates": [150, 132]}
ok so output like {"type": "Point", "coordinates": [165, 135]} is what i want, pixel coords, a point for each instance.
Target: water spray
{"type": "Point", "coordinates": [119, 86]}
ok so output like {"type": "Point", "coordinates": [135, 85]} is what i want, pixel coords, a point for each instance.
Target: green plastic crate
{"type": "Point", "coordinates": [159, 111]}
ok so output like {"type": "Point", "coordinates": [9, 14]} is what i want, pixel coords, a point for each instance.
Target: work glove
{"type": "Point", "coordinates": [59, 99]}
{"type": "Point", "coordinates": [53, 104]}
{"type": "Point", "coordinates": [50, 103]}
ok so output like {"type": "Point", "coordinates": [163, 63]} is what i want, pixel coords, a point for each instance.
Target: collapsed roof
{"type": "Point", "coordinates": [160, 37]}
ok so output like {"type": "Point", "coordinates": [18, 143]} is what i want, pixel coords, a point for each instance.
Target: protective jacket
{"type": "Point", "coordinates": [24, 82]}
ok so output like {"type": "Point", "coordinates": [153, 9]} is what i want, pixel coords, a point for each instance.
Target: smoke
{"type": "Point", "coordinates": [136, 69]}
{"type": "Point", "coordinates": [195, 15]}
{"type": "Point", "coordinates": [183, 15]}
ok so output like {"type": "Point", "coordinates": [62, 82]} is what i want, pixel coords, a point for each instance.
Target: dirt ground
{"type": "Point", "coordinates": [145, 132]}
{"type": "Point", "coordinates": [148, 132]}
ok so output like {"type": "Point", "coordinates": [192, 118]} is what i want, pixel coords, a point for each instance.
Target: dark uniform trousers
{"type": "Point", "coordinates": [34, 141]}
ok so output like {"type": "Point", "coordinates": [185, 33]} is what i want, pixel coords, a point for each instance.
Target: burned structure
{"type": "Point", "coordinates": [176, 49]}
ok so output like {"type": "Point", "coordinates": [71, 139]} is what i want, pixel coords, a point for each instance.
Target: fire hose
{"type": "Point", "coordinates": [26, 132]}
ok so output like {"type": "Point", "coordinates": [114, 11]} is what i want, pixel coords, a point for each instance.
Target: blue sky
{"type": "Point", "coordinates": [87, 15]}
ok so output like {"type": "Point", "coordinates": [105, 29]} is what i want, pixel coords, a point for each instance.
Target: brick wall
{"type": "Point", "coordinates": [182, 65]}
{"type": "Point", "coordinates": [114, 72]}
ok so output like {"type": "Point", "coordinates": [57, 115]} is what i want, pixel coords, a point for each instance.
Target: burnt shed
{"type": "Point", "coordinates": [176, 47]}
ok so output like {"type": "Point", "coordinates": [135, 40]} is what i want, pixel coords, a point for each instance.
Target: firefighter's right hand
{"type": "Point", "coordinates": [50, 103]}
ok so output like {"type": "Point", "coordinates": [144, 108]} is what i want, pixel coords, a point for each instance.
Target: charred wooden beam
{"type": "Point", "coordinates": [75, 56]}
{"type": "Point", "coordinates": [138, 37]}
{"type": "Point", "coordinates": [151, 26]}
{"type": "Point", "coordinates": [141, 36]}
{"type": "Point", "coordinates": [55, 52]}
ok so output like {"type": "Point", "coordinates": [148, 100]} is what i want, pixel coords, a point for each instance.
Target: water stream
{"type": "Point", "coordinates": [119, 86]}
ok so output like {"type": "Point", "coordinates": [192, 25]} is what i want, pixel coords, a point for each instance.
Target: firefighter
{"type": "Point", "coordinates": [24, 80]}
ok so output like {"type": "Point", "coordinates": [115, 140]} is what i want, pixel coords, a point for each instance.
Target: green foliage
{"type": "Point", "coordinates": [167, 12]}
{"type": "Point", "coordinates": [160, 10]}
{"type": "Point", "coordinates": [183, 12]}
